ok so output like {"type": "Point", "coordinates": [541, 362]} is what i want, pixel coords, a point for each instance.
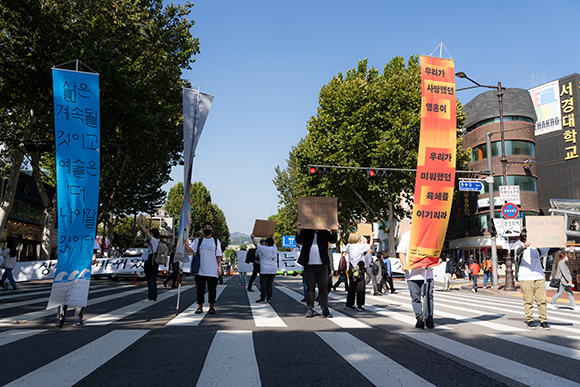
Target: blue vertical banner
{"type": "Point", "coordinates": [77, 136]}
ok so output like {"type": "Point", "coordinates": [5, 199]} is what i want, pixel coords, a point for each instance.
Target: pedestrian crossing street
{"type": "Point", "coordinates": [479, 339]}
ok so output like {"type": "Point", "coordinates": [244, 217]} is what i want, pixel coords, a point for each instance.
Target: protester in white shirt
{"type": "Point", "coordinates": [356, 251]}
{"type": "Point", "coordinates": [268, 267]}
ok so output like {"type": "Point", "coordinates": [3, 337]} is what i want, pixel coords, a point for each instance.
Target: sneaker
{"type": "Point", "coordinates": [429, 323]}
{"type": "Point", "coordinates": [269, 300]}
{"type": "Point", "coordinates": [420, 323]}
{"type": "Point", "coordinates": [347, 307]}
{"type": "Point", "coordinates": [550, 306]}
{"type": "Point", "coordinates": [59, 323]}
{"type": "Point", "coordinates": [545, 326]}
{"type": "Point", "coordinates": [309, 313]}
{"type": "Point", "coordinates": [303, 300]}
{"type": "Point", "coordinates": [211, 311]}
{"type": "Point", "coordinates": [473, 290]}
{"type": "Point", "coordinates": [198, 311]}
{"type": "Point", "coordinates": [260, 300]}
{"type": "Point", "coordinates": [250, 290]}
{"type": "Point", "coordinates": [576, 307]}
{"type": "Point", "coordinates": [326, 313]}
{"type": "Point", "coordinates": [149, 301]}
{"type": "Point", "coordinates": [78, 323]}
{"type": "Point", "coordinates": [531, 325]}
{"type": "Point", "coordinates": [394, 292]}
{"type": "Point", "coordinates": [360, 309]}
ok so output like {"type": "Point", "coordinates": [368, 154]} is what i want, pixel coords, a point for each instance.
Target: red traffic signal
{"type": "Point", "coordinates": [319, 170]}
{"type": "Point", "coordinates": [378, 173]}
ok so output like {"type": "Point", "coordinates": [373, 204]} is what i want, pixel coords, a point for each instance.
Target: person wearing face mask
{"type": "Point", "coordinates": [563, 273]}
{"type": "Point", "coordinates": [210, 267]}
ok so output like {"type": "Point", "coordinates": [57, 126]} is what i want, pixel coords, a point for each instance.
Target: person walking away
{"type": "Point", "coordinates": [382, 275]}
{"type": "Point", "coordinates": [151, 267]}
{"type": "Point", "coordinates": [316, 262]}
{"type": "Point", "coordinates": [416, 278]}
{"type": "Point", "coordinates": [268, 268]}
{"type": "Point", "coordinates": [256, 270]}
{"type": "Point", "coordinates": [389, 267]}
{"type": "Point", "coordinates": [356, 251]}
{"type": "Point", "coordinates": [173, 268]}
{"type": "Point", "coordinates": [330, 267]}
{"type": "Point", "coordinates": [342, 272]}
{"type": "Point", "coordinates": [487, 272]}
{"type": "Point", "coordinates": [532, 281]}
{"type": "Point", "coordinates": [372, 271]}
{"type": "Point", "coordinates": [474, 274]}
{"type": "Point", "coordinates": [10, 256]}
{"type": "Point", "coordinates": [210, 267]}
{"type": "Point", "coordinates": [449, 269]}
{"type": "Point", "coordinates": [565, 277]}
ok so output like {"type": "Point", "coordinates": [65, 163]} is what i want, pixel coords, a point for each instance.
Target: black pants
{"type": "Point", "coordinates": [174, 274]}
{"type": "Point", "coordinates": [200, 282]}
{"type": "Point", "coordinates": [316, 275]}
{"type": "Point", "coordinates": [254, 274]}
{"type": "Point", "coordinates": [266, 286]}
{"type": "Point", "coordinates": [356, 288]}
{"type": "Point", "coordinates": [389, 280]}
{"type": "Point", "coordinates": [342, 278]}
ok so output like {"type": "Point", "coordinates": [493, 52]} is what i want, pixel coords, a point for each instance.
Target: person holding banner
{"type": "Point", "coordinates": [416, 278]}
{"type": "Point", "coordinates": [314, 258]}
{"type": "Point", "coordinates": [151, 267]}
{"type": "Point", "coordinates": [356, 252]}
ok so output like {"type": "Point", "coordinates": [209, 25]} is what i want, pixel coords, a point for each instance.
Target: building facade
{"type": "Point", "coordinates": [469, 232]}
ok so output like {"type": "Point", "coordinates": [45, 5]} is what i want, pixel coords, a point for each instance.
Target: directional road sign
{"type": "Point", "coordinates": [510, 211]}
{"type": "Point", "coordinates": [288, 241]}
{"type": "Point", "coordinates": [470, 186]}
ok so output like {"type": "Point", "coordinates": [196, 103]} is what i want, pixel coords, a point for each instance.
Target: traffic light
{"type": "Point", "coordinates": [378, 173]}
{"type": "Point", "coordinates": [317, 170]}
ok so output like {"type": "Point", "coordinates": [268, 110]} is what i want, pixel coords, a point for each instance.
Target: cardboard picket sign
{"type": "Point", "coordinates": [546, 231]}
{"type": "Point", "coordinates": [318, 213]}
{"type": "Point", "coordinates": [365, 229]}
{"type": "Point", "coordinates": [264, 228]}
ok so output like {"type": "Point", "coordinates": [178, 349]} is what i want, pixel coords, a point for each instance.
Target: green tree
{"type": "Point", "coordinates": [202, 210]}
{"type": "Point", "coordinates": [139, 48]}
{"type": "Point", "coordinates": [364, 119]}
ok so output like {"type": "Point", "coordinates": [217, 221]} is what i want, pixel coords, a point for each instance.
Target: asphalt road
{"type": "Point", "coordinates": [479, 340]}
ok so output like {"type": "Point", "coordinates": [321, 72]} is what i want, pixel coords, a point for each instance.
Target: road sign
{"type": "Point", "coordinates": [510, 211]}
{"type": "Point", "coordinates": [510, 194]}
{"type": "Point", "coordinates": [512, 227]}
{"type": "Point", "coordinates": [470, 185]}
{"type": "Point", "coordinates": [288, 241]}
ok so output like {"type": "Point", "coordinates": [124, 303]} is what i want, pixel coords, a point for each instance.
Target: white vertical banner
{"type": "Point", "coordinates": [196, 107]}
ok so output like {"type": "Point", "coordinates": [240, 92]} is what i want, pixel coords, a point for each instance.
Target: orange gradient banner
{"type": "Point", "coordinates": [435, 178]}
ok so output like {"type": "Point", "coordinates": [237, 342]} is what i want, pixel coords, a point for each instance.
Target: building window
{"type": "Point", "coordinates": [526, 183]}
{"type": "Point", "coordinates": [512, 148]}
{"type": "Point", "coordinates": [496, 120]}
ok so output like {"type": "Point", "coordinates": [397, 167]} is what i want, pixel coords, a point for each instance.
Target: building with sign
{"type": "Point", "coordinates": [469, 233]}
{"type": "Point", "coordinates": [558, 168]}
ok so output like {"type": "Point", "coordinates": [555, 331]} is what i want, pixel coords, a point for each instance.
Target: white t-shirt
{"type": "Point", "coordinates": [268, 259]}
{"type": "Point", "coordinates": [208, 253]}
{"type": "Point", "coordinates": [153, 244]}
{"type": "Point", "coordinates": [356, 252]}
{"type": "Point", "coordinates": [531, 265]}
{"type": "Point", "coordinates": [417, 273]}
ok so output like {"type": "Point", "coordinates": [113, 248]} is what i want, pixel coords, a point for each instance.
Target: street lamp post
{"type": "Point", "coordinates": [509, 278]}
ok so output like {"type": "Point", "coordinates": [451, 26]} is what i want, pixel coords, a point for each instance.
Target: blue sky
{"type": "Point", "coordinates": [265, 62]}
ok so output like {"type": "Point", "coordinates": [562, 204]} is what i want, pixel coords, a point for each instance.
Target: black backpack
{"type": "Point", "coordinates": [251, 256]}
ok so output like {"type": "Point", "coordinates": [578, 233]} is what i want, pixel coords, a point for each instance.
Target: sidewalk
{"type": "Point", "coordinates": [465, 285]}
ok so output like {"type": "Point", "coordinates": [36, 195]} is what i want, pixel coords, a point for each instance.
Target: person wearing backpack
{"type": "Point", "coordinates": [487, 272]}
{"type": "Point", "coordinates": [151, 266]}
{"type": "Point", "coordinates": [356, 251]}
{"type": "Point", "coordinates": [474, 274]}
{"type": "Point", "coordinates": [210, 267]}
{"type": "Point", "coordinates": [256, 268]}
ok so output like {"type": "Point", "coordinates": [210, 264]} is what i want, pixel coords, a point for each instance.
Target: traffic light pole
{"type": "Point", "coordinates": [326, 167]}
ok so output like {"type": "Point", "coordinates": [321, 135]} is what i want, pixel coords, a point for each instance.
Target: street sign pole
{"type": "Point", "coordinates": [492, 211]}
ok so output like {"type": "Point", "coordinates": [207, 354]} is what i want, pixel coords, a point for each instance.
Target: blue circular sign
{"type": "Point", "coordinates": [510, 211]}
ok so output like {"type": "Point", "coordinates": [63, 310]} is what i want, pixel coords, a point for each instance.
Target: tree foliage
{"type": "Point", "coordinates": [364, 119]}
{"type": "Point", "coordinates": [139, 48]}
{"type": "Point", "coordinates": [202, 210]}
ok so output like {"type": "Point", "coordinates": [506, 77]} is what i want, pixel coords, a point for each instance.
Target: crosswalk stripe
{"type": "Point", "coordinates": [52, 311]}
{"type": "Point", "coordinates": [45, 299]}
{"type": "Point", "coordinates": [118, 314]}
{"type": "Point", "coordinates": [18, 334]}
{"type": "Point", "coordinates": [373, 365]}
{"type": "Point", "coordinates": [71, 368]}
{"type": "Point", "coordinates": [231, 361]}
{"type": "Point", "coordinates": [508, 368]}
{"type": "Point", "coordinates": [264, 314]}
{"type": "Point", "coordinates": [338, 318]}
{"type": "Point", "coordinates": [539, 344]}
{"type": "Point", "coordinates": [188, 318]}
